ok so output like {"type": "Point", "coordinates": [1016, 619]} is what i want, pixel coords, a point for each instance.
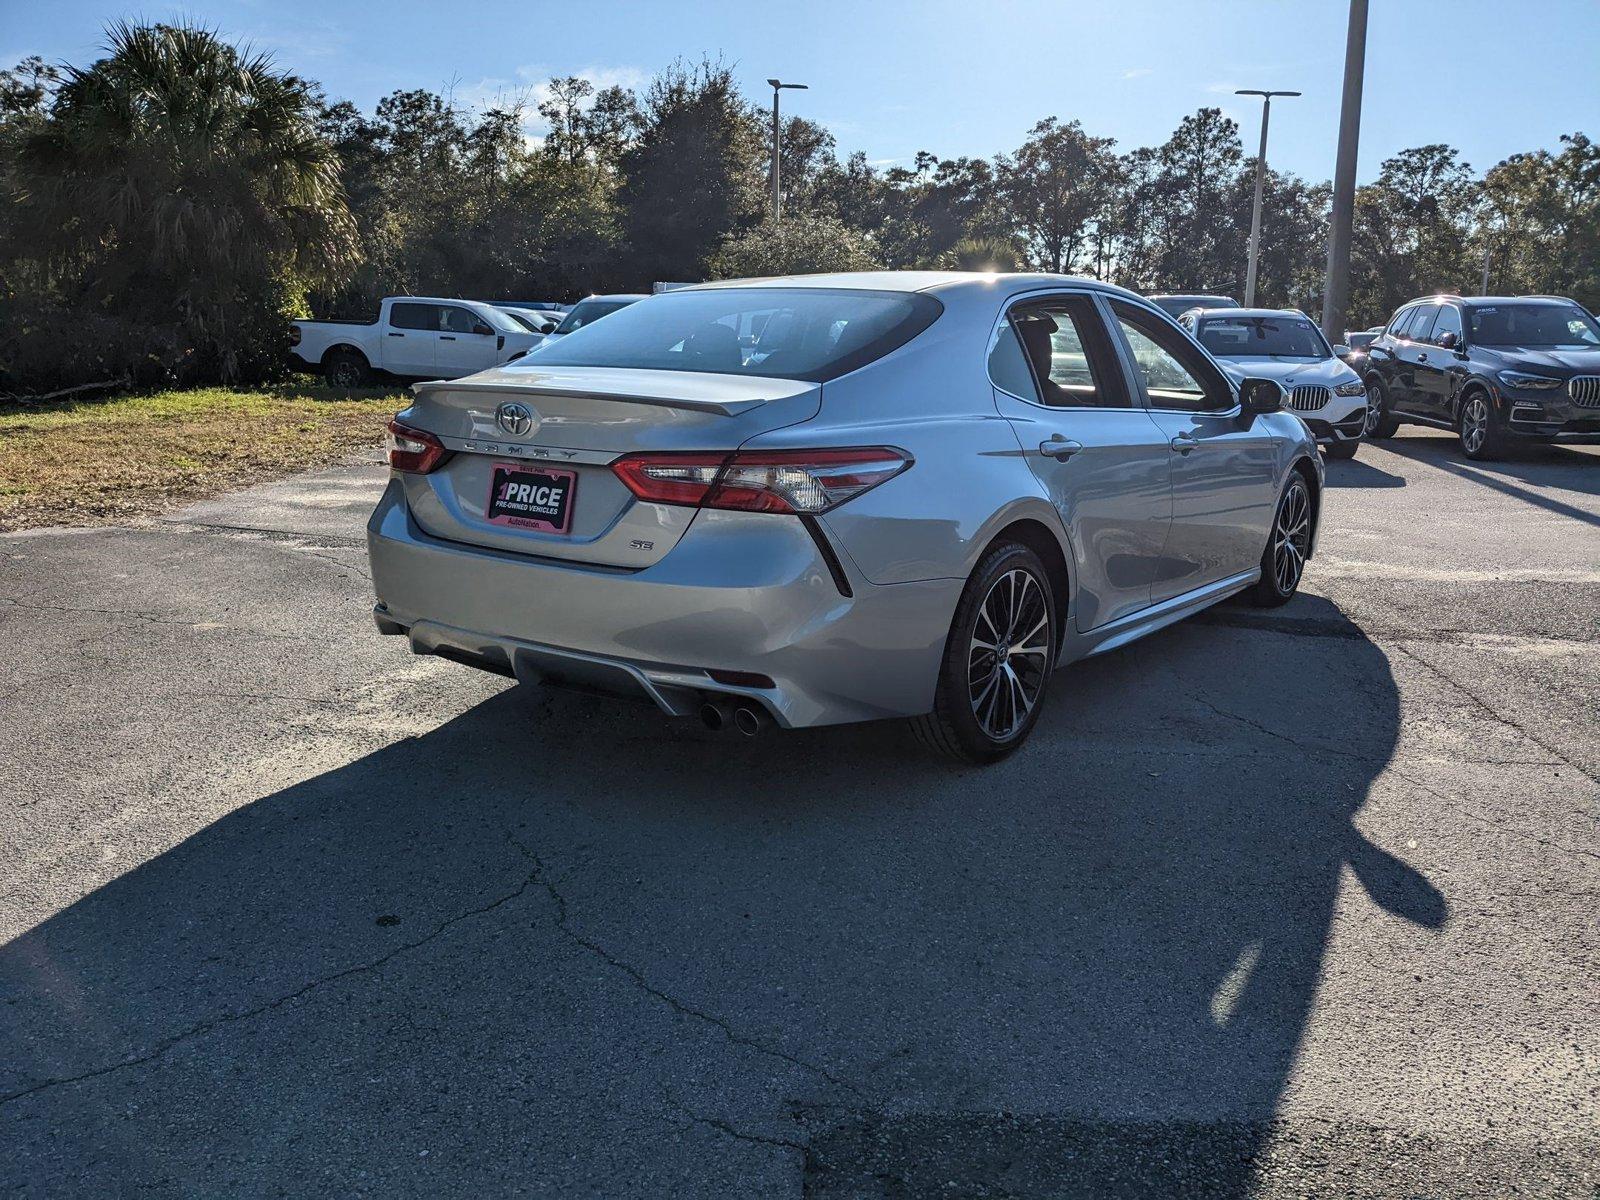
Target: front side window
{"type": "Point", "coordinates": [1537, 326]}
{"type": "Point", "coordinates": [1421, 324]}
{"type": "Point", "coordinates": [1263, 337]}
{"type": "Point", "coordinates": [457, 320]}
{"type": "Point", "coordinates": [1174, 372]}
{"type": "Point", "coordinates": [1448, 321]}
{"type": "Point", "coordinates": [809, 334]}
{"type": "Point", "coordinates": [1065, 346]}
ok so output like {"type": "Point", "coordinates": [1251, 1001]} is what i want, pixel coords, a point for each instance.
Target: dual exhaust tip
{"type": "Point", "coordinates": [721, 715]}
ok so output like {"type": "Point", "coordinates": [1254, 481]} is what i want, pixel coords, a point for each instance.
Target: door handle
{"type": "Point", "coordinates": [1059, 448]}
{"type": "Point", "coordinates": [1184, 443]}
{"type": "Point", "coordinates": [397, 335]}
{"type": "Point", "coordinates": [1422, 358]}
{"type": "Point", "coordinates": [447, 337]}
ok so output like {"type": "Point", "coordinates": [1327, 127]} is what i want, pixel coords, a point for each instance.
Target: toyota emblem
{"type": "Point", "coordinates": [514, 418]}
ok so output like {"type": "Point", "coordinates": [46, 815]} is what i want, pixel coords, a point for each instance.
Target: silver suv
{"type": "Point", "coordinates": [835, 498]}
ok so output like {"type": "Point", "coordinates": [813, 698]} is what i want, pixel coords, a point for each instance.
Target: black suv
{"type": "Point", "coordinates": [1495, 369]}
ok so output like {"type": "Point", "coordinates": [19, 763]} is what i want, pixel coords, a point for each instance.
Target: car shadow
{"type": "Point", "coordinates": [1354, 473]}
{"type": "Point", "coordinates": [1540, 466]}
{"type": "Point", "coordinates": [502, 948]}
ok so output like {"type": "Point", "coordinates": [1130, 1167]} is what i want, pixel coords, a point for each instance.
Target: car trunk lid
{"type": "Point", "coordinates": [563, 427]}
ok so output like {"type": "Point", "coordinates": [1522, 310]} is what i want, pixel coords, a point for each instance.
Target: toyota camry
{"type": "Point", "coordinates": [818, 499]}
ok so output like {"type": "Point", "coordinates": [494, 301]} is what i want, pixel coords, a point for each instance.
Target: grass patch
{"type": "Point", "coordinates": [110, 460]}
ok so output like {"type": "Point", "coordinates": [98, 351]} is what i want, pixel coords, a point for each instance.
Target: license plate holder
{"type": "Point", "coordinates": [523, 496]}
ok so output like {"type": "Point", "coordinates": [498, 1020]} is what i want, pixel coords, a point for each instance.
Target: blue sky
{"type": "Point", "coordinates": [890, 78]}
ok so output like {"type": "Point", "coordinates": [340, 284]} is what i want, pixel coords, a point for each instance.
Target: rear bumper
{"type": "Point", "coordinates": [739, 592]}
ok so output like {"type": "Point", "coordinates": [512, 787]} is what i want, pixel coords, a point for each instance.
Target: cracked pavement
{"type": "Point", "coordinates": [1274, 903]}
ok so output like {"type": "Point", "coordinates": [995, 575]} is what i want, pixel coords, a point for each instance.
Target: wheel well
{"type": "Point", "coordinates": [1309, 473]}
{"type": "Point", "coordinates": [345, 348]}
{"type": "Point", "coordinates": [1037, 537]}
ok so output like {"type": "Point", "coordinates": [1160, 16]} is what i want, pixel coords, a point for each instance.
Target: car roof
{"type": "Point", "coordinates": [618, 296]}
{"type": "Point", "coordinates": [1211, 313]}
{"type": "Point", "coordinates": [1188, 296]}
{"type": "Point", "coordinates": [1473, 301]}
{"type": "Point", "coordinates": [1000, 283]}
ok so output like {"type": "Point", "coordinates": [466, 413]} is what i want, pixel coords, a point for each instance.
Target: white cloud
{"type": "Point", "coordinates": [1138, 72]}
{"type": "Point", "coordinates": [529, 87]}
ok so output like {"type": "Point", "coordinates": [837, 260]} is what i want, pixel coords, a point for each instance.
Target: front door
{"type": "Point", "coordinates": [1438, 366]}
{"type": "Point", "coordinates": [1410, 394]}
{"type": "Point", "coordinates": [1100, 457]}
{"type": "Point", "coordinates": [1223, 466]}
{"type": "Point", "coordinates": [463, 347]}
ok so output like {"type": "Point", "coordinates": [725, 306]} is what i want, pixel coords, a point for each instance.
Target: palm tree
{"type": "Point", "coordinates": [182, 178]}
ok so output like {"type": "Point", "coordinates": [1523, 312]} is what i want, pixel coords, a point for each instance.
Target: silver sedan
{"type": "Point", "coordinates": [832, 498]}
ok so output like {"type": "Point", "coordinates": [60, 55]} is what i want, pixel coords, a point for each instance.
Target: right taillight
{"type": "Point", "coordinates": [413, 450]}
{"type": "Point", "coordinates": [294, 335]}
{"type": "Point", "coordinates": [775, 481]}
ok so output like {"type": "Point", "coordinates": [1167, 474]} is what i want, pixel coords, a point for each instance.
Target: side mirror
{"type": "Point", "coordinates": [1341, 351]}
{"type": "Point", "coordinates": [1449, 341]}
{"type": "Point", "coordinates": [481, 328]}
{"type": "Point", "coordinates": [1257, 396]}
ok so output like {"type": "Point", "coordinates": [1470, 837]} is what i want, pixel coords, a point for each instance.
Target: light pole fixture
{"type": "Point", "coordinates": [1261, 179]}
{"type": "Point", "coordinates": [777, 201]}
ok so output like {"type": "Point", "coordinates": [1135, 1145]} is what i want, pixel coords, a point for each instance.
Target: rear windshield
{"type": "Point", "coordinates": [1262, 337]}
{"type": "Point", "coordinates": [811, 334]}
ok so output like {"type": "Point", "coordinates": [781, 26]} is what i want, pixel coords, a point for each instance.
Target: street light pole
{"type": "Point", "coordinates": [1336, 289]}
{"type": "Point", "coordinates": [777, 195]}
{"type": "Point", "coordinates": [1261, 179]}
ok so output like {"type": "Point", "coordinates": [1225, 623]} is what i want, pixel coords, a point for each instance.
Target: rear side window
{"type": "Point", "coordinates": [811, 334]}
{"type": "Point", "coordinates": [1073, 364]}
{"type": "Point", "coordinates": [414, 316]}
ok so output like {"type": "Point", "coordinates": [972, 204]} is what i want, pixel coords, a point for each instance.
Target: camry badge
{"type": "Point", "coordinates": [514, 418]}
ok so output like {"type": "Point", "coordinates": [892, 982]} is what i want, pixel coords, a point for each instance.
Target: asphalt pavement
{"type": "Point", "coordinates": [1286, 903]}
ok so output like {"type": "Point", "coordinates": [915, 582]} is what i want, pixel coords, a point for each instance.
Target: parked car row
{"type": "Point", "coordinates": [429, 337]}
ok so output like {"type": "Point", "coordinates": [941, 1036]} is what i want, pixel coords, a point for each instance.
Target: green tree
{"type": "Point", "coordinates": [1056, 187]}
{"type": "Point", "coordinates": [179, 181]}
{"type": "Point", "coordinates": [693, 176]}
{"type": "Point", "coordinates": [799, 244]}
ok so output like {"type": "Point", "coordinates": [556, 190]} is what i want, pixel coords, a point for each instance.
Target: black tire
{"type": "Point", "coordinates": [1381, 423]}
{"type": "Point", "coordinates": [1478, 427]}
{"type": "Point", "coordinates": [1010, 587]}
{"type": "Point", "coordinates": [1341, 449]}
{"type": "Point", "coordinates": [345, 369]}
{"type": "Point", "coordinates": [1283, 562]}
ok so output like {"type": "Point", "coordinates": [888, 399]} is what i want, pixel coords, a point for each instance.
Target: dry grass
{"type": "Point", "coordinates": [111, 460]}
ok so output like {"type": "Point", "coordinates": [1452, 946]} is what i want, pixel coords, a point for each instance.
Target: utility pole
{"type": "Point", "coordinates": [1336, 289]}
{"type": "Point", "coordinates": [1484, 290]}
{"type": "Point", "coordinates": [777, 133]}
{"type": "Point", "coordinates": [1261, 179]}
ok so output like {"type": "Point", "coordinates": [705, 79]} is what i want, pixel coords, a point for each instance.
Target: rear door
{"type": "Point", "coordinates": [466, 343]}
{"type": "Point", "coordinates": [1103, 461]}
{"type": "Point", "coordinates": [552, 433]}
{"type": "Point", "coordinates": [1224, 468]}
{"type": "Point", "coordinates": [1408, 393]}
{"type": "Point", "coordinates": [409, 339]}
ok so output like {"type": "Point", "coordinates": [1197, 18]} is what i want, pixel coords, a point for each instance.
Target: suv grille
{"type": "Point", "coordinates": [1307, 398]}
{"type": "Point", "coordinates": [1585, 390]}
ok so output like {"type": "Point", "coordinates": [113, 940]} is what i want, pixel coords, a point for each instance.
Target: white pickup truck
{"type": "Point", "coordinates": [414, 337]}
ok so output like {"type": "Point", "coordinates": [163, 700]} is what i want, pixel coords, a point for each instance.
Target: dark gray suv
{"type": "Point", "coordinates": [1493, 369]}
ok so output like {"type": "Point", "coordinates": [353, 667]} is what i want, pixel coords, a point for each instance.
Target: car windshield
{"type": "Point", "coordinates": [1542, 326]}
{"type": "Point", "coordinates": [587, 312]}
{"type": "Point", "coordinates": [811, 334]}
{"type": "Point", "coordinates": [1262, 337]}
{"type": "Point", "coordinates": [1359, 341]}
{"type": "Point", "coordinates": [527, 323]}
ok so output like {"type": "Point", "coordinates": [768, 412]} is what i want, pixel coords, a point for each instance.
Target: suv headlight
{"type": "Point", "coordinates": [1521, 379]}
{"type": "Point", "coordinates": [1353, 387]}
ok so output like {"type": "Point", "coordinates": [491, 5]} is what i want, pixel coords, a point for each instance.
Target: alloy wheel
{"type": "Point", "coordinates": [1374, 410]}
{"type": "Point", "coordinates": [1008, 657]}
{"type": "Point", "coordinates": [1474, 424]}
{"type": "Point", "coordinates": [1291, 537]}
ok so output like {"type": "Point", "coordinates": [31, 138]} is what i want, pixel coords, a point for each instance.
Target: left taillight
{"type": "Point", "coordinates": [774, 481]}
{"type": "Point", "coordinates": [294, 335]}
{"type": "Point", "coordinates": [413, 450]}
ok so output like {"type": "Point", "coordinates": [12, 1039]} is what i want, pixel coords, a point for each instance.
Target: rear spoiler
{"type": "Point", "coordinates": [614, 387]}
